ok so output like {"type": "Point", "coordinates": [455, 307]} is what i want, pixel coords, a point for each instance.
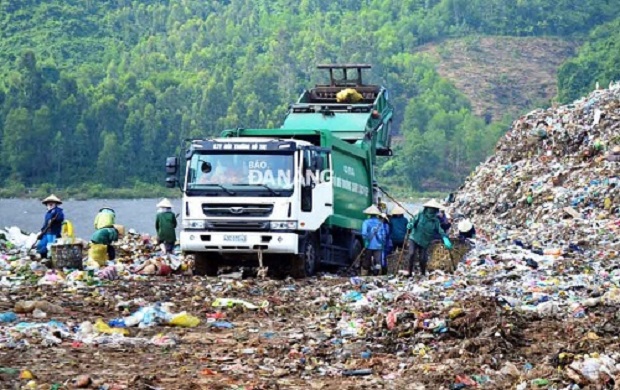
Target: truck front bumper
{"type": "Point", "coordinates": [233, 242]}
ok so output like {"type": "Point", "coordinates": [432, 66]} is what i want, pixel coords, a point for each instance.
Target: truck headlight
{"type": "Point", "coordinates": [193, 224]}
{"type": "Point", "coordinates": [284, 225]}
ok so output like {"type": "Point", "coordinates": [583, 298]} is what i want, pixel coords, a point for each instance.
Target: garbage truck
{"type": "Point", "coordinates": [291, 197]}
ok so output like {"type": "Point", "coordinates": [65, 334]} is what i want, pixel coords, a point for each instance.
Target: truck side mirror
{"type": "Point", "coordinates": [171, 182]}
{"type": "Point", "coordinates": [172, 164]}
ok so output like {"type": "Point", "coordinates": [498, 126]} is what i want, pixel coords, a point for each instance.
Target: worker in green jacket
{"type": "Point", "coordinates": [423, 227]}
{"type": "Point", "coordinates": [165, 225]}
{"type": "Point", "coordinates": [106, 236]}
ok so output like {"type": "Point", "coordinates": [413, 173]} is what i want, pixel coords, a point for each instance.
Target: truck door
{"type": "Point", "coordinates": [317, 194]}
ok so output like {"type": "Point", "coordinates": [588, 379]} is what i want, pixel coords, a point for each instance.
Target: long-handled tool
{"type": "Point", "coordinates": [402, 251]}
{"type": "Point", "coordinates": [395, 201]}
{"type": "Point", "coordinates": [43, 232]}
{"type": "Point", "coordinates": [355, 263]}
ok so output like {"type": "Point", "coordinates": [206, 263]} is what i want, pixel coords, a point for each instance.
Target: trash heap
{"type": "Point", "coordinates": [137, 258]}
{"type": "Point", "coordinates": [553, 182]}
{"type": "Point", "coordinates": [465, 330]}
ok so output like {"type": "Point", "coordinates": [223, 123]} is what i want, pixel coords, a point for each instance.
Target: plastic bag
{"type": "Point", "coordinates": [184, 319]}
{"type": "Point", "coordinates": [349, 95]}
{"type": "Point", "coordinates": [229, 302]}
{"type": "Point", "coordinates": [67, 233]}
{"type": "Point", "coordinates": [102, 327]}
{"type": "Point", "coordinates": [98, 253]}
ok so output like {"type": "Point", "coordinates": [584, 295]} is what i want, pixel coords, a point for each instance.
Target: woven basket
{"type": "Point", "coordinates": [67, 256]}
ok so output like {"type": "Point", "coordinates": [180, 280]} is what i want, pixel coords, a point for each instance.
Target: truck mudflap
{"type": "Point", "coordinates": [236, 242]}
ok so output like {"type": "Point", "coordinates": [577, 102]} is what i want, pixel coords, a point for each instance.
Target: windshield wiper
{"type": "Point", "coordinates": [276, 193]}
{"type": "Point", "coordinates": [229, 192]}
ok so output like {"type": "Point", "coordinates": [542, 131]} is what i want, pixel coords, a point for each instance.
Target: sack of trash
{"type": "Point", "coordinates": [349, 95]}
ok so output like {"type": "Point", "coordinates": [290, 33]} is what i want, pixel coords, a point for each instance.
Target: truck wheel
{"type": "Point", "coordinates": [205, 264]}
{"type": "Point", "coordinates": [306, 263]}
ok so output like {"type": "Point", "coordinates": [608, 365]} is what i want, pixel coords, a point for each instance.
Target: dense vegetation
{"type": "Point", "coordinates": [598, 62]}
{"type": "Point", "coordinates": [100, 92]}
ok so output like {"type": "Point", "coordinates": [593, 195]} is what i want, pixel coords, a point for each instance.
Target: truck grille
{"type": "Point", "coordinates": [237, 210]}
{"type": "Point", "coordinates": [239, 226]}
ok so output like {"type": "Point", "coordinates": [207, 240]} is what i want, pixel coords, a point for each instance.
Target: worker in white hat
{"type": "Point", "coordinates": [374, 235]}
{"type": "Point", "coordinates": [466, 229]}
{"type": "Point", "coordinates": [165, 225]}
{"type": "Point", "coordinates": [52, 225]}
{"type": "Point", "coordinates": [423, 228]}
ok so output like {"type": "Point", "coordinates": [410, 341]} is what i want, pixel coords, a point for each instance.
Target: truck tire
{"type": "Point", "coordinates": [305, 263]}
{"type": "Point", "coordinates": [205, 264]}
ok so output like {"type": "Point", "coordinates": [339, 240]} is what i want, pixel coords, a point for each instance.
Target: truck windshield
{"type": "Point", "coordinates": [264, 173]}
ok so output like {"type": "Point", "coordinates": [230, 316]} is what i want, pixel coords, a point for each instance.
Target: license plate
{"type": "Point", "coordinates": [235, 237]}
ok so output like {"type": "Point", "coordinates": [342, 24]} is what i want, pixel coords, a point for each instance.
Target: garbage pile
{"type": "Point", "coordinates": [137, 258]}
{"type": "Point", "coordinates": [465, 330]}
{"type": "Point", "coordinates": [553, 185]}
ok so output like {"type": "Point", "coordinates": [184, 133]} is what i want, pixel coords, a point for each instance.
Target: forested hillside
{"type": "Point", "coordinates": [102, 91]}
{"type": "Point", "coordinates": [598, 62]}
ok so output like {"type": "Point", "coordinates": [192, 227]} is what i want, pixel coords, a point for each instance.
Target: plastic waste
{"type": "Point", "coordinates": [360, 372]}
{"type": "Point", "coordinates": [98, 253]}
{"type": "Point", "coordinates": [221, 324]}
{"type": "Point", "coordinates": [540, 382]}
{"type": "Point", "coordinates": [102, 327]}
{"type": "Point", "coordinates": [8, 316]}
{"type": "Point", "coordinates": [185, 320]}
{"type": "Point", "coordinates": [230, 302]}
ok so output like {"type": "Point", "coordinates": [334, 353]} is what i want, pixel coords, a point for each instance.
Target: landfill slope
{"type": "Point", "coordinates": [561, 159]}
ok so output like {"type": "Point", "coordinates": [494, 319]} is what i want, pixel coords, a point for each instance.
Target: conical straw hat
{"type": "Point", "coordinates": [397, 210]}
{"type": "Point", "coordinates": [51, 199]}
{"type": "Point", "coordinates": [372, 210]}
{"type": "Point", "coordinates": [434, 204]}
{"type": "Point", "coordinates": [165, 203]}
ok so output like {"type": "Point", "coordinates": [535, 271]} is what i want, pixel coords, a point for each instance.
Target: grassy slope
{"type": "Point", "coordinates": [502, 75]}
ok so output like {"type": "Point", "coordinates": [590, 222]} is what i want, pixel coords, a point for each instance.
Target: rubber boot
{"type": "Point", "coordinates": [423, 268]}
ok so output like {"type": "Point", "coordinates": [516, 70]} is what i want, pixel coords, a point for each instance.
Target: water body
{"type": "Point", "coordinates": [28, 214]}
{"type": "Point", "coordinates": [139, 214]}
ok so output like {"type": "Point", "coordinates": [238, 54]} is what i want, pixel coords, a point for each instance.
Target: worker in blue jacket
{"type": "Point", "coordinates": [52, 225]}
{"type": "Point", "coordinates": [388, 246]}
{"type": "Point", "coordinates": [398, 226]}
{"type": "Point", "coordinates": [374, 235]}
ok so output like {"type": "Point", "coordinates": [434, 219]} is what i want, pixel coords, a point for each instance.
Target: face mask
{"type": "Point", "coordinates": [431, 212]}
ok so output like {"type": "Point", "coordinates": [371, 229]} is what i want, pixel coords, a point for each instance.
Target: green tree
{"type": "Point", "coordinates": [16, 143]}
{"type": "Point", "coordinates": [111, 173]}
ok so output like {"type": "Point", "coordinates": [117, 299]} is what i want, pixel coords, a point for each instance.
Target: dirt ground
{"type": "Point", "coordinates": [295, 342]}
